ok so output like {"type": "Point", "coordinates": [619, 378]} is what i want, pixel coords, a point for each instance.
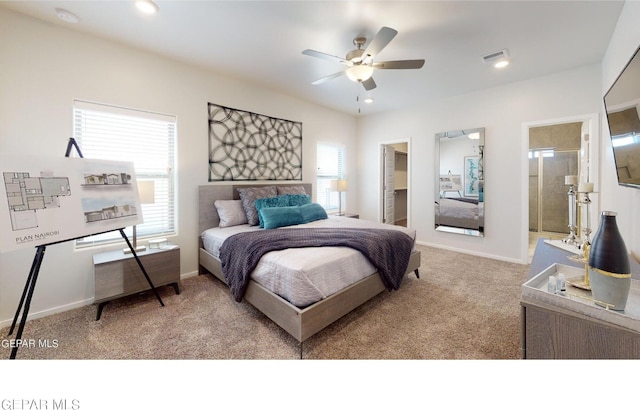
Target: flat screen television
{"type": "Point", "coordinates": [622, 106]}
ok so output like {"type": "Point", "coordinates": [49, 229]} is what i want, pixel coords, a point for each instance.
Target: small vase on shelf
{"type": "Point", "coordinates": [610, 272]}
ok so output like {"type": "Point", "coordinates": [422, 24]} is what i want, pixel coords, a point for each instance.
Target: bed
{"type": "Point", "coordinates": [460, 213]}
{"type": "Point", "coordinates": [303, 314]}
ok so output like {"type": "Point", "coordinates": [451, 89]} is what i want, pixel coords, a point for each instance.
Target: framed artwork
{"type": "Point", "coordinates": [244, 146]}
{"type": "Point", "coordinates": [472, 176]}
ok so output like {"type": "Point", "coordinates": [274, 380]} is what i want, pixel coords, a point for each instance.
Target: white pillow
{"type": "Point", "coordinates": [231, 212]}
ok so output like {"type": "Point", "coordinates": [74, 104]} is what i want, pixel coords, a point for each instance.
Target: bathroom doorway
{"type": "Point", "coordinates": [548, 199]}
{"type": "Point", "coordinates": [568, 146]}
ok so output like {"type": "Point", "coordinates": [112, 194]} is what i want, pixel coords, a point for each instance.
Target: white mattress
{"type": "Point", "coordinates": [306, 275]}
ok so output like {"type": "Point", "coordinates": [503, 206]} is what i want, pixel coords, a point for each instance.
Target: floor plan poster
{"type": "Point", "coordinates": [45, 200]}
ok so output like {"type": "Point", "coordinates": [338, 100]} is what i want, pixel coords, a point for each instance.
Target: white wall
{"type": "Point", "coordinates": [502, 111]}
{"type": "Point", "coordinates": [44, 67]}
{"type": "Point", "coordinates": [623, 200]}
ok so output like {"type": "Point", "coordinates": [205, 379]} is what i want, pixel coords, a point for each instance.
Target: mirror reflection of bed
{"type": "Point", "coordinates": [459, 204]}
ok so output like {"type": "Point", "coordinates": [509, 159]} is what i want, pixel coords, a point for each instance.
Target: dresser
{"type": "Point", "coordinates": [572, 326]}
{"type": "Point", "coordinates": [117, 274]}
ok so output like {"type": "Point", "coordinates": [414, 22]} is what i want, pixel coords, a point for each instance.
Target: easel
{"type": "Point", "coordinates": [30, 285]}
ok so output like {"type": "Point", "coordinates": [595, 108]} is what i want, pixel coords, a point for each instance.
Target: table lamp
{"type": "Point", "coordinates": [146, 192]}
{"type": "Point", "coordinates": [339, 186]}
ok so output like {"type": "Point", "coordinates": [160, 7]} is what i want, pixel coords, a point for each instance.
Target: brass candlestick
{"type": "Point", "coordinates": [586, 247]}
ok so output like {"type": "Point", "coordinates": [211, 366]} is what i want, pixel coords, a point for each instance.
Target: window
{"type": "Point", "coordinates": [144, 138]}
{"type": "Point", "coordinates": [330, 162]}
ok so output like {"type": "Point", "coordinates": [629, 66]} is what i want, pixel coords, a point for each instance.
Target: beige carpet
{"type": "Point", "coordinates": [462, 307]}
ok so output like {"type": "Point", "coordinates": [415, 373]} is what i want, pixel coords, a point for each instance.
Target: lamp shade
{"type": "Point", "coordinates": [339, 185]}
{"type": "Point", "coordinates": [146, 191]}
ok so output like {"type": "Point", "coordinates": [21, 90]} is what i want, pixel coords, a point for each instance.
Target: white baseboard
{"type": "Point", "coordinates": [48, 312]}
{"type": "Point", "coordinates": [189, 274]}
{"type": "Point", "coordinates": [462, 250]}
{"type": "Point", "coordinates": [64, 308]}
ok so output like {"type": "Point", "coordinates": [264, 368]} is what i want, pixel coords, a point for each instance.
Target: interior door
{"type": "Point", "coordinates": [389, 184]}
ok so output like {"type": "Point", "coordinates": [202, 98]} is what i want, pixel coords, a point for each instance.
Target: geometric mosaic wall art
{"type": "Point", "coordinates": [244, 146]}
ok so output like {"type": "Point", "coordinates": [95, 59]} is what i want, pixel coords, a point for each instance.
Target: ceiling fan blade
{"type": "Point", "coordinates": [369, 84]}
{"type": "Point", "coordinates": [380, 41]}
{"type": "Point", "coordinates": [399, 64]}
{"type": "Point", "coordinates": [327, 78]}
{"type": "Point", "coordinates": [324, 56]}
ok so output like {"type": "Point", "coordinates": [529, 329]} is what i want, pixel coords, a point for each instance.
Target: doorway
{"type": "Point", "coordinates": [549, 134]}
{"type": "Point", "coordinates": [395, 183]}
{"type": "Point", "coordinates": [548, 206]}
{"type": "Point", "coordinates": [554, 152]}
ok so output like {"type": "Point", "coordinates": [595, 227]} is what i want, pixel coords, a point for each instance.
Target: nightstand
{"type": "Point", "coordinates": [117, 274]}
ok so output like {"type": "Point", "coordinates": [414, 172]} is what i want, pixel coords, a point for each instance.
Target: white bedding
{"type": "Point", "coordinates": [451, 212]}
{"type": "Point", "coordinates": [306, 275]}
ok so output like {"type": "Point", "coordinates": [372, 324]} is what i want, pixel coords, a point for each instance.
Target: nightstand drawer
{"type": "Point", "coordinates": [117, 274]}
{"type": "Point", "coordinates": [163, 268]}
{"type": "Point", "coordinates": [109, 280]}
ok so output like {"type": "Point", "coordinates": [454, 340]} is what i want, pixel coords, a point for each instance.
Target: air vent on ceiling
{"type": "Point", "coordinates": [498, 55]}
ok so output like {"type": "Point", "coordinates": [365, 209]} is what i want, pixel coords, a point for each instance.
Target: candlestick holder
{"type": "Point", "coordinates": [572, 238]}
{"type": "Point", "coordinates": [585, 221]}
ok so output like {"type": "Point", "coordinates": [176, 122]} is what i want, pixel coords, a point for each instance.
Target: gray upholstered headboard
{"type": "Point", "coordinates": [208, 194]}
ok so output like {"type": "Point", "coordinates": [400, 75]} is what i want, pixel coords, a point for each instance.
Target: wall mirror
{"type": "Point", "coordinates": [622, 103]}
{"type": "Point", "coordinates": [459, 203]}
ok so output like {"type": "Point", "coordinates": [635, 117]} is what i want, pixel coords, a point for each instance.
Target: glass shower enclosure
{"type": "Point", "coordinates": [548, 200]}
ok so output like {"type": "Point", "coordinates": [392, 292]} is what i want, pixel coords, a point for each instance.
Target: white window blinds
{"type": "Point", "coordinates": [330, 163]}
{"type": "Point", "coordinates": [144, 138]}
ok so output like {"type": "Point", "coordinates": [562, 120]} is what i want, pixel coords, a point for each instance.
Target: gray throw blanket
{"type": "Point", "coordinates": [388, 250]}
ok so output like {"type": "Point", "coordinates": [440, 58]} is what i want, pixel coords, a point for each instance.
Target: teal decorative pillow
{"type": "Point", "coordinates": [299, 199]}
{"type": "Point", "coordinates": [312, 212]}
{"type": "Point", "coordinates": [271, 202]}
{"type": "Point", "coordinates": [282, 216]}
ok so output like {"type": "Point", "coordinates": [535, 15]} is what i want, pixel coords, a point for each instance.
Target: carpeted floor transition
{"type": "Point", "coordinates": [462, 307]}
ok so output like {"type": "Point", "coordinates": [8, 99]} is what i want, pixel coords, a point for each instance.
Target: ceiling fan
{"type": "Point", "coordinates": [359, 62]}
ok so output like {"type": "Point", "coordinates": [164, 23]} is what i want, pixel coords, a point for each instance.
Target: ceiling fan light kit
{"type": "Point", "coordinates": [359, 73]}
{"type": "Point", "coordinates": [359, 62]}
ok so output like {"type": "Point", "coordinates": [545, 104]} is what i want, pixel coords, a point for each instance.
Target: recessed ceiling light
{"type": "Point", "coordinates": [67, 16]}
{"type": "Point", "coordinates": [499, 59]}
{"type": "Point", "coordinates": [147, 6]}
{"type": "Point", "coordinates": [501, 63]}
{"type": "Point", "coordinates": [368, 100]}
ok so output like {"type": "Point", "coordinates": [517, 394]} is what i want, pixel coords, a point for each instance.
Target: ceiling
{"type": "Point", "coordinates": [262, 41]}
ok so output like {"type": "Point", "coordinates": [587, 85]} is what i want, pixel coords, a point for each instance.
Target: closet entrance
{"type": "Point", "coordinates": [395, 183]}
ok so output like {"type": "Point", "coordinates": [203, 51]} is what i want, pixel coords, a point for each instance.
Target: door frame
{"type": "Point", "coordinates": [381, 145]}
{"type": "Point", "coordinates": [591, 127]}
